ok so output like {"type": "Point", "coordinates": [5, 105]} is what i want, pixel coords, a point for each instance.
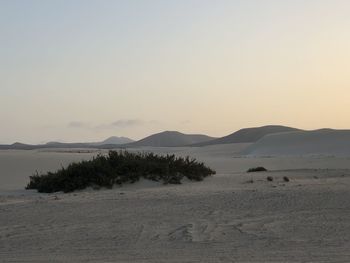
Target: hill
{"type": "Point", "coordinates": [319, 142]}
{"type": "Point", "coordinates": [248, 135]}
{"type": "Point", "coordinates": [170, 139]}
{"type": "Point", "coordinates": [111, 142]}
{"type": "Point", "coordinates": [17, 146]}
{"type": "Point", "coordinates": [114, 140]}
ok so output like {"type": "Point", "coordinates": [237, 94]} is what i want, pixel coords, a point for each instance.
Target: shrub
{"type": "Point", "coordinates": [257, 169]}
{"type": "Point", "coordinates": [119, 168]}
{"type": "Point", "coordinates": [286, 179]}
{"type": "Point", "coordinates": [269, 178]}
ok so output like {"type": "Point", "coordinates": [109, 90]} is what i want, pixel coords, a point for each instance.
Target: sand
{"type": "Point", "coordinates": [225, 218]}
{"type": "Point", "coordinates": [17, 165]}
{"type": "Point", "coordinates": [320, 142]}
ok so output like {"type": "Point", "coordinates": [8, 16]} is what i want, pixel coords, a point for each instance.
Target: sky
{"type": "Point", "coordinates": [84, 70]}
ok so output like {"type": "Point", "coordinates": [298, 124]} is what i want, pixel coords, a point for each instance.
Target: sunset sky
{"type": "Point", "coordinates": [84, 70]}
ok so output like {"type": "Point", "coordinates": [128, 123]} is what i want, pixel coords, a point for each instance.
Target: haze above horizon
{"type": "Point", "coordinates": [86, 70]}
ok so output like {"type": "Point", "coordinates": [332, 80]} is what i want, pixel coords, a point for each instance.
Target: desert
{"type": "Point", "coordinates": [232, 216]}
{"type": "Point", "coordinates": [174, 131]}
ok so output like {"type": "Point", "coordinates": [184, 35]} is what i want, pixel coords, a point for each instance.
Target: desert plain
{"type": "Point", "coordinates": [232, 216]}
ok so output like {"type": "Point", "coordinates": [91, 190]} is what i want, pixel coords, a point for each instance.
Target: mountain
{"type": "Point", "coordinates": [53, 143]}
{"type": "Point", "coordinates": [170, 139]}
{"type": "Point", "coordinates": [248, 135]}
{"type": "Point", "coordinates": [319, 142]}
{"type": "Point", "coordinates": [63, 145]}
{"type": "Point", "coordinates": [17, 146]}
{"type": "Point", "coordinates": [110, 142]}
{"type": "Point", "coordinates": [114, 140]}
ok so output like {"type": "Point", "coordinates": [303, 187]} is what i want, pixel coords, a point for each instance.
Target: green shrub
{"type": "Point", "coordinates": [257, 169]}
{"type": "Point", "coordinates": [118, 168]}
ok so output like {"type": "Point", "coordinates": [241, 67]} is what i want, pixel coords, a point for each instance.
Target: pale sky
{"type": "Point", "coordinates": [84, 70]}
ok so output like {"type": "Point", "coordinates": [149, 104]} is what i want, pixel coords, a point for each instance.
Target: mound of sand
{"type": "Point", "coordinates": [319, 142]}
{"type": "Point", "coordinates": [248, 135]}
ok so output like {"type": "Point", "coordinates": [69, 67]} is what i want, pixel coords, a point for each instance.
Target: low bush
{"type": "Point", "coordinates": [257, 169]}
{"type": "Point", "coordinates": [118, 168]}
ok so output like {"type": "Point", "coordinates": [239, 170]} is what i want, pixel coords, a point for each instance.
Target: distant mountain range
{"type": "Point", "coordinates": [114, 140]}
{"type": "Point", "coordinates": [111, 140]}
{"type": "Point", "coordinates": [163, 139]}
{"type": "Point", "coordinates": [167, 139]}
{"type": "Point", "coordinates": [269, 140]}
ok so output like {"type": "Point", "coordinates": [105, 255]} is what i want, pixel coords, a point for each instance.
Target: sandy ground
{"type": "Point", "coordinates": [230, 217]}
{"type": "Point", "coordinates": [326, 142]}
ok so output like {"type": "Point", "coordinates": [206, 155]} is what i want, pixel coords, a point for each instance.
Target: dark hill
{"type": "Point", "coordinates": [111, 142]}
{"type": "Point", "coordinates": [170, 139]}
{"type": "Point", "coordinates": [114, 140]}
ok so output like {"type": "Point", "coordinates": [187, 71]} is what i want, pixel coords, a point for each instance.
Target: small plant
{"type": "Point", "coordinates": [286, 179]}
{"type": "Point", "coordinates": [269, 178]}
{"type": "Point", "coordinates": [118, 168]}
{"type": "Point", "coordinates": [257, 169]}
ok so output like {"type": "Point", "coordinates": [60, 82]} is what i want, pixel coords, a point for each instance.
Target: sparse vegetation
{"type": "Point", "coordinates": [118, 168]}
{"type": "Point", "coordinates": [257, 169]}
{"type": "Point", "coordinates": [269, 178]}
{"type": "Point", "coordinates": [286, 179]}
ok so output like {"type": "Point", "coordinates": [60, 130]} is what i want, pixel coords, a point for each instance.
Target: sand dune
{"type": "Point", "coordinates": [319, 142]}
{"type": "Point", "coordinates": [248, 135]}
